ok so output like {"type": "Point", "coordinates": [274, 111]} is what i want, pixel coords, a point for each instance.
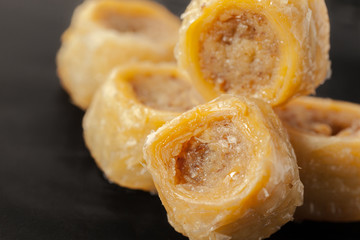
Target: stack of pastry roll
{"type": "Point", "coordinates": [107, 33]}
{"type": "Point", "coordinates": [326, 137]}
{"type": "Point", "coordinates": [136, 100]}
{"type": "Point", "coordinates": [224, 169]}
{"type": "Point", "coordinates": [268, 49]}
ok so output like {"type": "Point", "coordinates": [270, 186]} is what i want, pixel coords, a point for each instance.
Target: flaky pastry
{"type": "Point", "coordinates": [109, 33]}
{"type": "Point", "coordinates": [225, 170]}
{"type": "Point", "coordinates": [268, 49]}
{"type": "Point", "coordinates": [135, 100]}
{"type": "Point", "coordinates": [325, 135]}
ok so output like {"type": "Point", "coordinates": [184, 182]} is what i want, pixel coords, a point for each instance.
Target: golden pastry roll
{"type": "Point", "coordinates": [326, 137]}
{"type": "Point", "coordinates": [225, 170]}
{"type": "Point", "coordinates": [135, 100]}
{"type": "Point", "coordinates": [268, 49]}
{"type": "Point", "coordinates": [108, 33]}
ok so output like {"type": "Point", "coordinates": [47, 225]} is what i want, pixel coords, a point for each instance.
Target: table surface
{"type": "Point", "coordinates": [50, 187]}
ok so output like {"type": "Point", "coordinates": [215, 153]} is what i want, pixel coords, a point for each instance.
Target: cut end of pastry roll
{"type": "Point", "coordinates": [322, 117]}
{"type": "Point", "coordinates": [164, 92]}
{"type": "Point", "coordinates": [225, 170]}
{"type": "Point", "coordinates": [144, 18]}
{"type": "Point", "coordinates": [211, 155]}
{"type": "Point", "coordinates": [108, 34]}
{"type": "Point", "coordinates": [326, 137]}
{"type": "Point", "coordinates": [247, 47]}
{"type": "Point", "coordinates": [272, 50]}
{"type": "Point", "coordinates": [136, 100]}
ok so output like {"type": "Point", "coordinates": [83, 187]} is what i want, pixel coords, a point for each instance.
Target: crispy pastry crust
{"type": "Point", "coordinates": [225, 170]}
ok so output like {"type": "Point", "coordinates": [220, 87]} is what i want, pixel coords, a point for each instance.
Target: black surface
{"type": "Point", "coordinates": [50, 187]}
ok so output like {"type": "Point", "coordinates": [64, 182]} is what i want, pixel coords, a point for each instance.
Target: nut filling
{"type": "Point", "coordinates": [165, 92]}
{"type": "Point", "coordinates": [123, 22]}
{"type": "Point", "coordinates": [239, 52]}
{"type": "Point", "coordinates": [216, 156]}
{"type": "Point", "coordinates": [316, 121]}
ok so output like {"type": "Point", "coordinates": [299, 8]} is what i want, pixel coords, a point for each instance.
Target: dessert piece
{"type": "Point", "coordinates": [225, 170]}
{"type": "Point", "coordinates": [109, 33]}
{"type": "Point", "coordinates": [135, 101]}
{"type": "Point", "coordinates": [326, 137]}
{"type": "Point", "coordinates": [272, 50]}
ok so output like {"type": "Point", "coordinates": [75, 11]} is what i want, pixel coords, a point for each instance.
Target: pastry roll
{"type": "Point", "coordinates": [326, 137]}
{"type": "Point", "coordinates": [133, 102]}
{"type": "Point", "coordinates": [109, 33]}
{"type": "Point", "coordinates": [225, 170]}
{"type": "Point", "coordinates": [268, 49]}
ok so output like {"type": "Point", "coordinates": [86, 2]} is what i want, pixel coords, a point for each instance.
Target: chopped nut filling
{"type": "Point", "coordinates": [165, 92]}
{"type": "Point", "coordinates": [239, 52]}
{"type": "Point", "coordinates": [217, 155]}
{"type": "Point", "coordinates": [146, 26]}
{"type": "Point", "coordinates": [320, 122]}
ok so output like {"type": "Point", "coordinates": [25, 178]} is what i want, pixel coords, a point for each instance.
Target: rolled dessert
{"type": "Point", "coordinates": [268, 49]}
{"type": "Point", "coordinates": [325, 135]}
{"type": "Point", "coordinates": [108, 33]}
{"type": "Point", "coordinates": [225, 170]}
{"type": "Point", "coordinates": [135, 100]}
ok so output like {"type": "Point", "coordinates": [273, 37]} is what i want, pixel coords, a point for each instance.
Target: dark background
{"type": "Point", "coordinates": [50, 187]}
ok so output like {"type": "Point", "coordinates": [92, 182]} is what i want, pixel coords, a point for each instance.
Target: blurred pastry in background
{"type": "Point", "coordinates": [325, 135]}
{"type": "Point", "coordinates": [109, 33]}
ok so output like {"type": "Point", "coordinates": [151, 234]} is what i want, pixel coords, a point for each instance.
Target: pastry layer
{"type": "Point", "coordinates": [225, 170]}
{"type": "Point", "coordinates": [272, 50]}
{"type": "Point", "coordinates": [125, 110]}
{"type": "Point", "coordinates": [110, 33]}
{"type": "Point", "coordinates": [326, 137]}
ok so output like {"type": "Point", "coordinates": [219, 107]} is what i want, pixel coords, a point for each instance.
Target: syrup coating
{"type": "Point", "coordinates": [225, 170]}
